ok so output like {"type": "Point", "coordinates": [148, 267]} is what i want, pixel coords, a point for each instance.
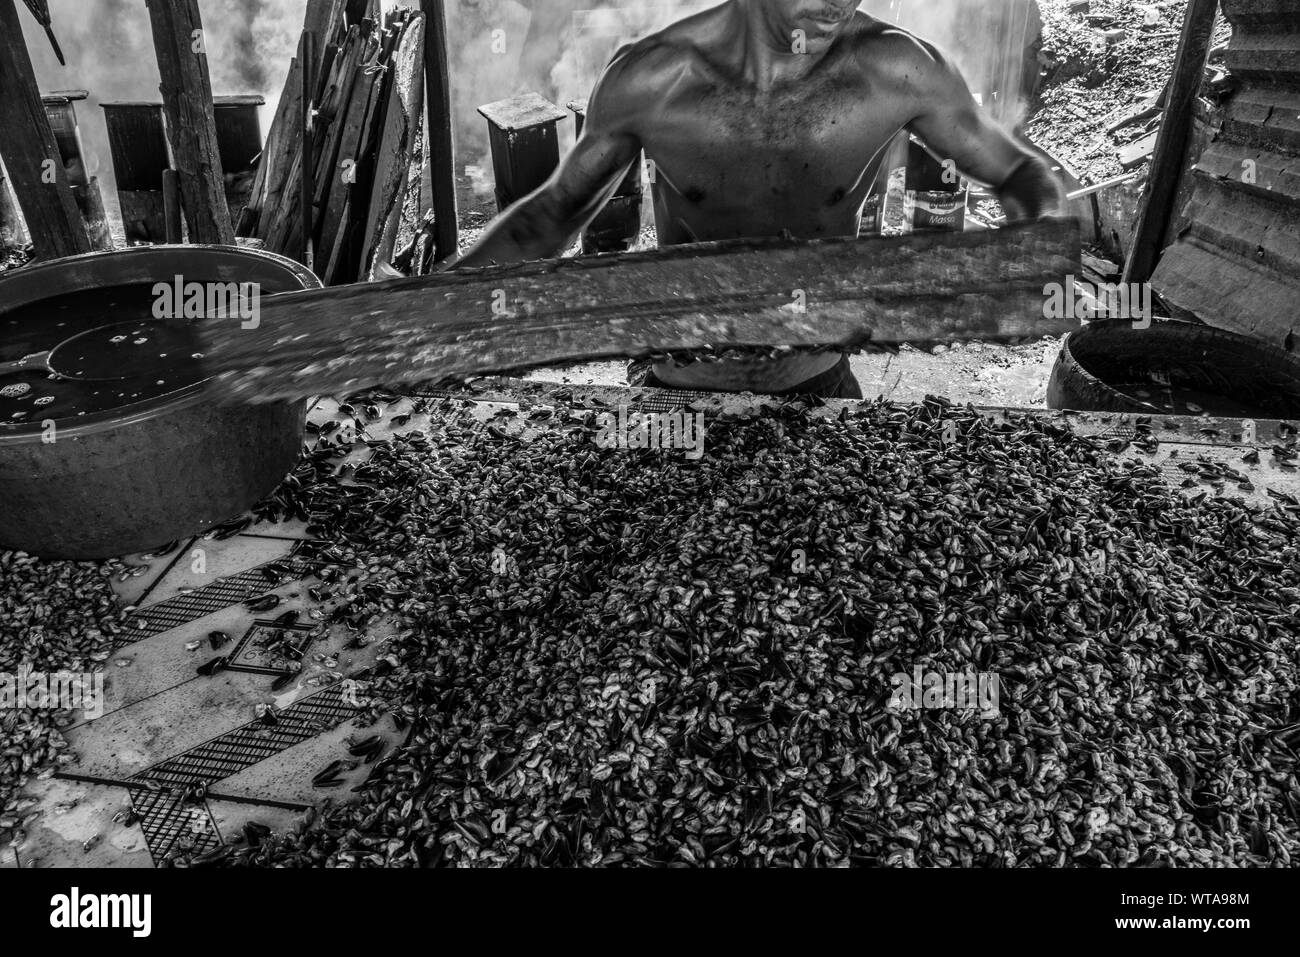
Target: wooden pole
{"type": "Point", "coordinates": [439, 143]}
{"type": "Point", "coordinates": [31, 153]}
{"type": "Point", "coordinates": [1171, 144]}
{"type": "Point", "coordinates": [191, 124]}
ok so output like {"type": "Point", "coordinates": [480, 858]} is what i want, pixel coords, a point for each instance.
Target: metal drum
{"type": "Point", "coordinates": [92, 470]}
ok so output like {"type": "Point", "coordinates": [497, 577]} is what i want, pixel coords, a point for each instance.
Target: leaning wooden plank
{"type": "Point", "coordinates": [287, 141]}
{"type": "Point", "coordinates": [327, 40]}
{"type": "Point", "coordinates": [305, 250]}
{"type": "Point", "coordinates": [31, 153]}
{"type": "Point", "coordinates": [918, 288]}
{"type": "Point", "coordinates": [396, 144]}
{"type": "Point", "coordinates": [269, 168]}
{"type": "Point", "coordinates": [439, 145]}
{"type": "Point", "coordinates": [321, 20]}
{"type": "Point", "coordinates": [345, 174]}
{"type": "Point", "coordinates": [285, 216]}
{"type": "Point", "coordinates": [332, 116]}
{"type": "Point", "coordinates": [191, 122]}
{"type": "Point", "coordinates": [1170, 149]}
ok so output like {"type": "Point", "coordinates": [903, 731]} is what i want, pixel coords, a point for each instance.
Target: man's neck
{"type": "Point", "coordinates": [768, 48]}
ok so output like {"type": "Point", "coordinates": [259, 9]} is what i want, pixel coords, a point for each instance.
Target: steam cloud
{"type": "Point", "coordinates": [497, 47]}
{"type": "Point", "coordinates": [109, 46]}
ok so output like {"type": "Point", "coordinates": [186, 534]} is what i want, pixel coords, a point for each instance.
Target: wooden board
{"type": "Point", "coordinates": [285, 142]}
{"type": "Point", "coordinates": [333, 113]}
{"type": "Point", "coordinates": [269, 182]}
{"type": "Point", "coordinates": [1138, 151]}
{"type": "Point", "coordinates": [396, 144]}
{"type": "Point", "coordinates": [336, 217]}
{"type": "Point", "coordinates": [918, 288]}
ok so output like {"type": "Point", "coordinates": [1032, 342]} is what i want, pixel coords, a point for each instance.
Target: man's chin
{"type": "Point", "coordinates": [822, 32]}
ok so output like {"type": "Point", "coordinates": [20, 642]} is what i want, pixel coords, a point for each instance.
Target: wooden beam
{"type": "Point", "coordinates": [1171, 144]}
{"type": "Point", "coordinates": [922, 287]}
{"type": "Point", "coordinates": [31, 152]}
{"type": "Point", "coordinates": [439, 142]}
{"type": "Point", "coordinates": [191, 124]}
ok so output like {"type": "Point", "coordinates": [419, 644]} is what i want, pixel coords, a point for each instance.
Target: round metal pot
{"type": "Point", "coordinates": [1096, 362]}
{"type": "Point", "coordinates": [130, 479]}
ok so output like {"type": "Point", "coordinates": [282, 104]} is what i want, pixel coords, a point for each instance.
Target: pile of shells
{"type": "Point", "coordinates": [55, 617]}
{"type": "Point", "coordinates": [616, 657]}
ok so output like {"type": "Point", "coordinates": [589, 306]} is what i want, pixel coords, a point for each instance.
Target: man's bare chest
{"type": "Point", "coordinates": [714, 143]}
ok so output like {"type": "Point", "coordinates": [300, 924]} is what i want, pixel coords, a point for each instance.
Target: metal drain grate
{"type": "Point", "coordinates": [165, 820]}
{"type": "Point", "coordinates": [666, 400]}
{"type": "Point", "coordinates": [230, 753]}
{"type": "Point", "coordinates": [221, 594]}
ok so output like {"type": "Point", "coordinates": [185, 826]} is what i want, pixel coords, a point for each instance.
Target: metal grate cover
{"type": "Point", "coordinates": [221, 594]}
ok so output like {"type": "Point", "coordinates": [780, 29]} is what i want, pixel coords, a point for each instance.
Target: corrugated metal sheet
{"type": "Point", "coordinates": [1236, 262]}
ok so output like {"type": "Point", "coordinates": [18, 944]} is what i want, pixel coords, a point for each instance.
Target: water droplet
{"type": "Point", "coordinates": [116, 339]}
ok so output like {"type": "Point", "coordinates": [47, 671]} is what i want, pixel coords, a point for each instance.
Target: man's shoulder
{"type": "Point", "coordinates": [885, 47]}
{"type": "Point", "coordinates": [657, 58]}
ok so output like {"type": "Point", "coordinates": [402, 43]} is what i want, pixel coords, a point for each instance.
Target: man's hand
{"type": "Point", "coordinates": [544, 223]}
{"type": "Point", "coordinates": [954, 127]}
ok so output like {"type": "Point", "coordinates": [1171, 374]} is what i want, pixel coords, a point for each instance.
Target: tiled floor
{"type": "Point", "coordinates": [122, 802]}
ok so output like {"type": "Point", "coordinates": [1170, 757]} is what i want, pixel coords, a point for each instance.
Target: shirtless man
{"type": "Point", "coordinates": [765, 117]}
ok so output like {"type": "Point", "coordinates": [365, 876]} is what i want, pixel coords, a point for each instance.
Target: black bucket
{"type": "Point", "coordinates": [132, 473]}
{"type": "Point", "coordinates": [1174, 368]}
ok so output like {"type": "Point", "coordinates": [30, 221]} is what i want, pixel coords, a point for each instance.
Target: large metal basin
{"type": "Point", "coordinates": [128, 479]}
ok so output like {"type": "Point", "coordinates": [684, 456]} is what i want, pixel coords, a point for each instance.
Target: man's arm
{"type": "Point", "coordinates": [544, 223]}
{"type": "Point", "coordinates": [954, 127]}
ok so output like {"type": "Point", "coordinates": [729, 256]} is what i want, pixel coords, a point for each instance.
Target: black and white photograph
{"type": "Point", "coordinates": [642, 435]}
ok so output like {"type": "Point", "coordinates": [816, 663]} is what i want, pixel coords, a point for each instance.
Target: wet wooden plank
{"type": "Point", "coordinates": [918, 288]}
